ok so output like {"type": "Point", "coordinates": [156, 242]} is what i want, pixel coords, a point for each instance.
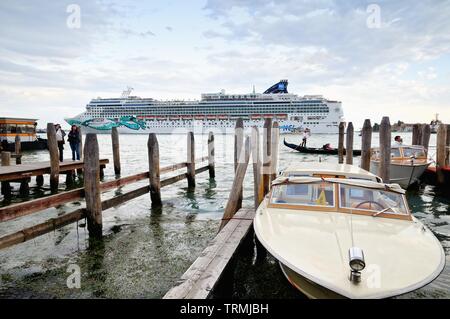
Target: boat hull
{"type": "Point", "coordinates": [40, 144]}
{"type": "Point", "coordinates": [402, 174]}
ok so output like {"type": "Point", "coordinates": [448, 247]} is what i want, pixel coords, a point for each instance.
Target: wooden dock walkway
{"type": "Point", "coordinates": [203, 275]}
{"type": "Point", "coordinates": [15, 172]}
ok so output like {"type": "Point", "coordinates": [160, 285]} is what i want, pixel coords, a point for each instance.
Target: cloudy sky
{"type": "Point", "coordinates": [379, 58]}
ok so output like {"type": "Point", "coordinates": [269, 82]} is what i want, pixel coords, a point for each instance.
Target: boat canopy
{"type": "Point", "coordinates": [354, 182]}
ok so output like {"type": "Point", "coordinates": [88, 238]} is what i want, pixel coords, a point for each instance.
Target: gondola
{"type": "Point", "coordinates": [311, 150]}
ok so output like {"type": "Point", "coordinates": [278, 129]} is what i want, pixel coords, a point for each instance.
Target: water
{"type": "Point", "coordinates": [145, 252]}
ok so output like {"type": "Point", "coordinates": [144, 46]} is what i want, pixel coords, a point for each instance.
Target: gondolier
{"type": "Point", "coordinates": [306, 134]}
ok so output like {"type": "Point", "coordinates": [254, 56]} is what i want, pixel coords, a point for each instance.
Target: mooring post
{"type": "Point", "coordinates": [18, 149]}
{"type": "Point", "coordinates": [69, 177]}
{"type": "Point", "coordinates": [258, 186]}
{"type": "Point", "coordinates": [267, 154]}
{"type": "Point", "coordinates": [349, 144]}
{"type": "Point", "coordinates": [39, 180]}
{"type": "Point", "coordinates": [236, 189]}
{"type": "Point", "coordinates": [366, 144]}
{"type": "Point", "coordinates": [190, 159]}
{"type": "Point", "coordinates": [415, 134]}
{"type": "Point", "coordinates": [447, 160]}
{"type": "Point", "coordinates": [385, 150]}
{"type": "Point", "coordinates": [24, 189]}
{"type": "Point", "coordinates": [54, 156]}
{"type": "Point", "coordinates": [154, 173]}
{"type": "Point", "coordinates": [116, 150]}
{"type": "Point", "coordinates": [274, 150]}
{"type": "Point", "coordinates": [211, 163]}
{"type": "Point", "coordinates": [6, 186]}
{"type": "Point", "coordinates": [441, 152]}
{"type": "Point", "coordinates": [426, 133]}
{"type": "Point", "coordinates": [238, 145]}
{"type": "Point", "coordinates": [341, 143]}
{"type": "Point", "coordinates": [92, 186]}
{"type": "Point", "coordinates": [80, 170]}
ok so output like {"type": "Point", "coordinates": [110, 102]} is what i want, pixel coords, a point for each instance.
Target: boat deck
{"type": "Point", "coordinates": [15, 172]}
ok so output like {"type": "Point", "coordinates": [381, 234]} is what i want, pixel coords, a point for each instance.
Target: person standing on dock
{"type": "Point", "coordinates": [60, 139]}
{"type": "Point", "coordinates": [306, 134]}
{"type": "Point", "coordinates": [74, 139]}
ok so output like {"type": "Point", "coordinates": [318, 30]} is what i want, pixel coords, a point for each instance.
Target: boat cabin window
{"type": "Point", "coordinates": [308, 194]}
{"type": "Point", "coordinates": [395, 152]}
{"type": "Point", "coordinates": [416, 152]}
{"type": "Point", "coordinates": [358, 198]}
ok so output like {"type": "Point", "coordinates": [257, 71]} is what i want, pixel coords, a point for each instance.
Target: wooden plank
{"type": "Point", "coordinates": [349, 144]}
{"type": "Point", "coordinates": [52, 145]}
{"type": "Point", "coordinates": [115, 150]}
{"type": "Point", "coordinates": [92, 186]}
{"type": "Point", "coordinates": [233, 200]}
{"type": "Point", "coordinates": [120, 199]}
{"type": "Point", "coordinates": [154, 173]}
{"type": "Point", "coordinates": [385, 150]}
{"type": "Point", "coordinates": [203, 275]}
{"type": "Point", "coordinates": [341, 143]}
{"type": "Point", "coordinates": [211, 163]}
{"type": "Point", "coordinates": [190, 159]}
{"type": "Point", "coordinates": [366, 144]}
{"type": "Point", "coordinates": [267, 154]}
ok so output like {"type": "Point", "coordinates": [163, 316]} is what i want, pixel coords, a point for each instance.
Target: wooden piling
{"type": "Point", "coordinates": [426, 133]}
{"type": "Point", "coordinates": [115, 150]}
{"type": "Point", "coordinates": [80, 170]}
{"type": "Point", "coordinates": [385, 150]}
{"type": "Point", "coordinates": [258, 186]}
{"type": "Point", "coordinates": [349, 144]}
{"type": "Point", "coordinates": [54, 156]}
{"type": "Point", "coordinates": [238, 156]}
{"type": "Point", "coordinates": [232, 205]}
{"type": "Point", "coordinates": [441, 152]}
{"type": "Point", "coordinates": [341, 143]}
{"type": "Point", "coordinates": [6, 186]}
{"type": "Point", "coordinates": [190, 159]}
{"type": "Point", "coordinates": [415, 134]}
{"type": "Point", "coordinates": [267, 154]}
{"type": "Point", "coordinates": [92, 186]}
{"type": "Point", "coordinates": [18, 150]}
{"type": "Point", "coordinates": [274, 150]}
{"type": "Point", "coordinates": [154, 171]}
{"type": "Point", "coordinates": [366, 144]}
{"type": "Point", "coordinates": [211, 163]}
{"type": "Point", "coordinates": [24, 189]}
{"type": "Point", "coordinates": [447, 160]}
{"type": "Point", "coordinates": [39, 180]}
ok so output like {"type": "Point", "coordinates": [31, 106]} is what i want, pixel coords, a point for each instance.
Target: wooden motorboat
{"type": "Point", "coordinates": [25, 129]}
{"type": "Point", "coordinates": [408, 163]}
{"type": "Point", "coordinates": [346, 237]}
{"type": "Point", "coordinates": [312, 150]}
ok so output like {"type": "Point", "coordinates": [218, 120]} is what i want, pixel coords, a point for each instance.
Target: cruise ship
{"type": "Point", "coordinates": [215, 112]}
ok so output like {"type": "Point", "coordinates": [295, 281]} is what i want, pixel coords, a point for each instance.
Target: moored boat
{"type": "Point", "coordinates": [347, 237]}
{"type": "Point", "coordinates": [408, 163]}
{"type": "Point", "coordinates": [24, 128]}
{"type": "Point", "coordinates": [312, 150]}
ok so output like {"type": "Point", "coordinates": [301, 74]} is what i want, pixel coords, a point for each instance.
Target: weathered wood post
{"type": "Point", "coordinates": [6, 186]}
{"type": "Point", "coordinates": [232, 205]}
{"type": "Point", "coordinates": [415, 134]}
{"type": "Point", "coordinates": [190, 159]}
{"type": "Point", "coordinates": [366, 144]}
{"type": "Point", "coordinates": [80, 170]}
{"type": "Point", "coordinates": [39, 180]}
{"type": "Point", "coordinates": [211, 162]}
{"type": "Point", "coordinates": [24, 189]}
{"type": "Point", "coordinates": [426, 133]}
{"type": "Point", "coordinates": [54, 156]}
{"type": "Point", "coordinates": [441, 152]}
{"type": "Point", "coordinates": [153, 166]}
{"type": "Point", "coordinates": [18, 149]}
{"type": "Point", "coordinates": [92, 186]}
{"type": "Point", "coordinates": [341, 143]}
{"type": "Point", "coordinates": [267, 154]}
{"type": "Point", "coordinates": [258, 186]}
{"type": "Point", "coordinates": [349, 144]}
{"type": "Point", "coordinates": [447, 160]}
{"type": "Point", "coordinates": [238, 145]}
{"type": "Point", "coordinates": [385, 150]}
{"type": "Point", "coordinates": [274, 150]}
{"type": "Point", "coordinates": [115, 150]}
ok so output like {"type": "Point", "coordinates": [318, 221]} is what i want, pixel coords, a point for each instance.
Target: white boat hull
{"type": "Point", "coordinates": [404, 175]}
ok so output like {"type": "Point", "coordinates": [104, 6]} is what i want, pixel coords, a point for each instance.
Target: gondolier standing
{"type": "Point", "coordinates": [306, 134]}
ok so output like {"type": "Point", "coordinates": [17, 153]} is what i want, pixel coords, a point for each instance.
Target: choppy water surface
{"type": "Point", "coordinates": [144, 252]}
